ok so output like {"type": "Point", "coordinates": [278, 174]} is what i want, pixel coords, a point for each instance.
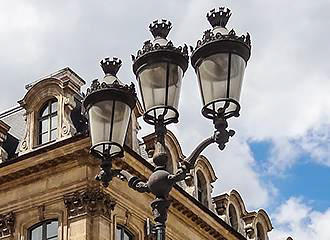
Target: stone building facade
{"type": "Point", "coordinates": [48, 190]}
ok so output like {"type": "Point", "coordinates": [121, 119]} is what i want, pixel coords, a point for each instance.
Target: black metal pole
{"type": "Point", "coordinates": [160, 231]}
{"type": "Point", "coordinates": [160, 209]}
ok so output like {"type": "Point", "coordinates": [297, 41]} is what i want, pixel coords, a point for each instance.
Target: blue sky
{"type": "Point", "coordinates": [279, 158]}
{"type": "Point", "coordinates": [305, 178]}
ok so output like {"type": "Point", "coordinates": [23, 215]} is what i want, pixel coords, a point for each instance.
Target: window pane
{"type": "Point", "coordinates": [53, 122]}
{"type": "Point", "coordinates": [43, 138]}
{"type": "Point", "coordinates": [36, 234]}
{"type": "Point", "coordinates": [127, 236]}
{"type": "Point", "coordinates": [52, 229]}
{"type": "Point", "coordinates": [44, 126]}
{"type": "Point", "coordinates": [45, 111]}
{"type": "Point", "coordinates": [53, 134]}
{"type": "Point", "coordinates": [118, 234]}
{"type": "Point", "coordinates": [54, 107]}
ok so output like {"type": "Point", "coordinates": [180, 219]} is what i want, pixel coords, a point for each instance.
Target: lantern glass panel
{"type": "Point", "coordinates": [108, 123]}
{"type": "Point", "coordinates": [160, 85]}
{"type": "Point", "coordinates": [236, 76]}
{"type": "Point", "coordinates": [213, 75]}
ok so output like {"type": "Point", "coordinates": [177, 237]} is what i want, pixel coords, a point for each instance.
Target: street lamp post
{"type": "Point", "coordinates": [219, 60]}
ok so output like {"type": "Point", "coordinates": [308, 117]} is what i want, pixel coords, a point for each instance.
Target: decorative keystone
{"type": "Point", "coordinates": [111, 66]}
{"type": "Point", "coordinates": [219, 18]}
{"type": "Point", "coordinates": [160, 28]}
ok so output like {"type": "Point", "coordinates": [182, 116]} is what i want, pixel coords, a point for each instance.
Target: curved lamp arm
{"type": "Point", "coordinates": [220, 136]}
{"type": "Point", "coordinates": [133, 182]}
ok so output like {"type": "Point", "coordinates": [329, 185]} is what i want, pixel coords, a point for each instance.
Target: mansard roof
{"type": "Point", "coordinates": [14, 117]}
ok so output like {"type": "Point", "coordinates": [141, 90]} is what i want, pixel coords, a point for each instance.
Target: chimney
{"type": "Point", "coordinates": [4, 128]}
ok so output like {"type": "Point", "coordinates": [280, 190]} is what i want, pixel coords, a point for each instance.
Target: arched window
{"type": "Point", "coordinates": [48, 122]}
{"type": "Point", "coordinates": [260, 232]}
{"type": "Point", "coordinates": [202, 189]}
{"type": "Point", "coordinates": [233, 219]}
{"type": "Point", "coordinates": [46, 230]}
{"type": "Point", "coordinates": [123, 234]}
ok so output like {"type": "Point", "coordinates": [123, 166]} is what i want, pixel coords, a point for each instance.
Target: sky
{"type": "Point", "coordinates": [279, 159]}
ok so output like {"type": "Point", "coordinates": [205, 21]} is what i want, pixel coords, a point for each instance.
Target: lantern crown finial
{"type": "Point", "coordinates": [219, 18]}
{"type": "Point", "coordinates": [111, 66]}
{"type": "Point", "coordinates": [160, 28]}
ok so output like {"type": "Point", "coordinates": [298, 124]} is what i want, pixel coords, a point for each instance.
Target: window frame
{"type": "Point", "coordinates": [43, 225]}
{"type": "Point", "coordinates": [50, 115]}
{"type": "Point", "coordinates": [124, 230]}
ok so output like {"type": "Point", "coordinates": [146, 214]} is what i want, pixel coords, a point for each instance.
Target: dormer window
{"type": "Point", "coordinates": [202, 189]}
{"type": "Point", "coordinates": [48, 122]}
{"type": "Point", "coordinates": [233, 219]}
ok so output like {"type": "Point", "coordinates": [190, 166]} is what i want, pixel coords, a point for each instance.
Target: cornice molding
{"type": "Point", "coordinates": [198, 221]}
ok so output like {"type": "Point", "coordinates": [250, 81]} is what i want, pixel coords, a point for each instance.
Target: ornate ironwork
{"type": "Point", "coordinates": [149, 47]}
{"type": "Point", "coordinates": [7, 224]}
{"type": "Point", "coordinates": [156, 52]}
{"type": "Point", "coordinates": [160, 28]}
{"type": "Point", "coordinates": [97, 86]}
{"type": "Point", "coordinates": [209, 37]}
{"type": "Point", "coordinates": [92, 201]}
{"type": "Point", "coordinates": [111, 66]}
{"type": "Point", "coordinates": [215, 41]}
{"type": "Point", "coordinates": [219, 18]}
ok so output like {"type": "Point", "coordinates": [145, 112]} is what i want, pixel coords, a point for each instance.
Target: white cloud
{"type": "Point", "coordinates": [237, 169]}
{"type": "Point", "coordinates": [316, 143]}
{"type": "Point", "coordinates": [297, 219]}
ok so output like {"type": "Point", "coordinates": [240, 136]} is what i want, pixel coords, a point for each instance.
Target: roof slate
{"type": "Point", "coordinates": [14, 117]}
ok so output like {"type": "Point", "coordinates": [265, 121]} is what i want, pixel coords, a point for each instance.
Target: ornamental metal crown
{"type": "Point", "coordinates": [160, 28]}
{"type": "Point", "coordinates": [111, 66]}
{"type": "Point", "coordinates": [96, 86]}
{"type": "Point", "coordinates": [219, 18]}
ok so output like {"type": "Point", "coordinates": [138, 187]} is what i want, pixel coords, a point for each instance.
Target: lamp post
{"type": "Point", "coordinates": [219, 60]}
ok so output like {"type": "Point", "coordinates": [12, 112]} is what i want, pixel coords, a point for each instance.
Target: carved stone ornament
{"type": "Point", "coordinates": [249, 225]}
{"type": "Point", "coordinates": [221, 203]}
{"type": "Point", "coordinates": [68, 128]}
{"type": "Point", "coordinates": [24, 145]}
{"type": "Point", "coordinates": [7, 224]}
{"type": "Point", "coordinates": [249, 230]}
{"type": "Point", "coordinates": [91, 201]}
